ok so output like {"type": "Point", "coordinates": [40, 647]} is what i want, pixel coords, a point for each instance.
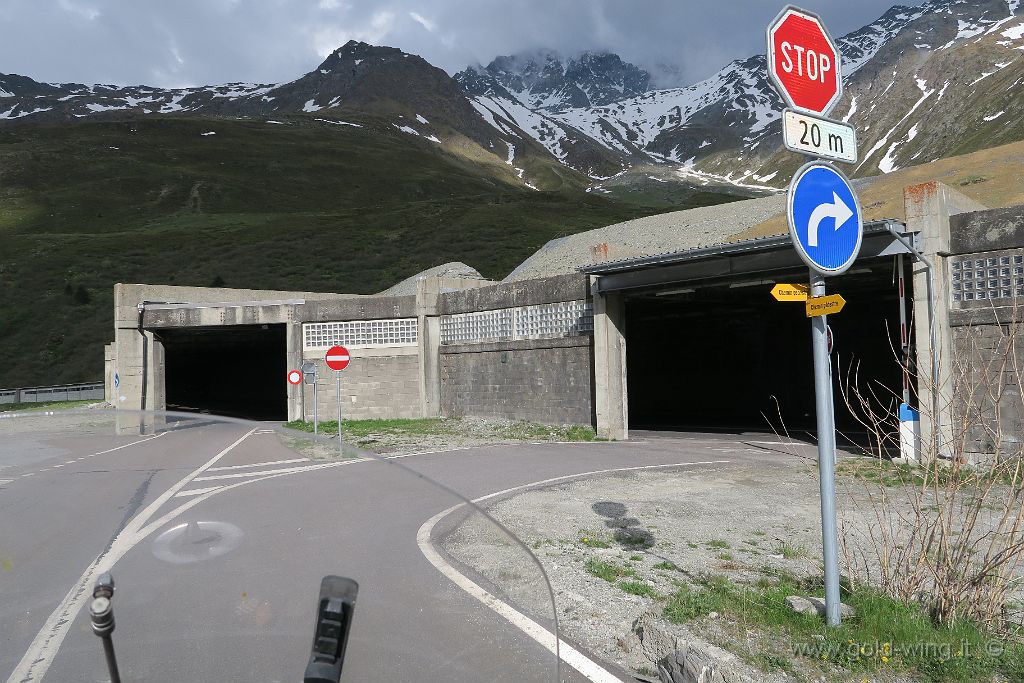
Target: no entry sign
{"type": "Point", "coordinates": [294, 377]}
{"type": "Point", "coordinates": [803, 61]}
{"type": "Point", "coordinates": [337, 358]}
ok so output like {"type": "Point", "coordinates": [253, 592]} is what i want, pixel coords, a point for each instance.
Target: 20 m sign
{"type": "Point", "coordinates": [820, 137]}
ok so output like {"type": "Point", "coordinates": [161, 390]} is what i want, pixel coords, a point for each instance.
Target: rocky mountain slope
{"type": "Point", "coordinates": [923, 82]}
{"type": "Point", "coordinates": [965, 57]}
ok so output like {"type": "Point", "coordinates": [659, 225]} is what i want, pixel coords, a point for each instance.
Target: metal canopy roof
{"type": "Point", "coordinates": [723, 261]}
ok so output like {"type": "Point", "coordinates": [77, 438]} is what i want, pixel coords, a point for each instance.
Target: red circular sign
{"type": "Point", "coordinates": [803, 62]}
{"type": "Point", "coordinates": [337, 358]}
{"type": "Point", "coordinates": [294, 377]}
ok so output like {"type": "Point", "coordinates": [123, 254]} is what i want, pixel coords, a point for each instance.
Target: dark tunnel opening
{"type": "Point", "coordinates": [730, 357]}
{"type": "Point", "coordinates": [237, 371]}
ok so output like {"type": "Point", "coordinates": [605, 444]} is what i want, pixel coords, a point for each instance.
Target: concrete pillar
{"type": "Point", "coordinates": [429, 340]}
{"type": "Point", "coordinates": [928, 207]}
{"type": "Point", "coordinates": [293, 351]}
{"type": "Point", "coordinates": [428, 321]}
{"type": "Point", "coordinates": [108, 373]}
{"type": "Point", "coordinates": [610, 394]}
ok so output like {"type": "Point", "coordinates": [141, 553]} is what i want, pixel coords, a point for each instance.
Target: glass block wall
{"type": "Point", "coordinates": [996, 275]}
{"type": "Point", "coordinates": [521, 322]}
{"type": "Point", "coordinates": [360, 334]}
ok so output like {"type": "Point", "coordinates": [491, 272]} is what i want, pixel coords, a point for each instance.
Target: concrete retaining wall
{"type": "Point", "coordinates": [547, 381]}
{"type": "Point", "coordinates": [988, 333]}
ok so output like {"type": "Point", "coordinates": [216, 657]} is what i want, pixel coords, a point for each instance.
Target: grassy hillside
{"type": "Point", "coordinates": [304, 205]}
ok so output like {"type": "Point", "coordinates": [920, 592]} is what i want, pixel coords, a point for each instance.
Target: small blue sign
{"type": "Point", "coordinates": [825, 221]}
{"type": "Point", "coordinates": [117, 380]}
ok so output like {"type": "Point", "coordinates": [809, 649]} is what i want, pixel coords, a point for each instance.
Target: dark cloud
{"type": "Point", "coordinates": [194, 42]}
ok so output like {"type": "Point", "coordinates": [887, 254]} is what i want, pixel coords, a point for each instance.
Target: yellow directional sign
{"type": "Point", "coordinates": [824, 305]}
{"type": "Point", "coordinates": [790, 292]}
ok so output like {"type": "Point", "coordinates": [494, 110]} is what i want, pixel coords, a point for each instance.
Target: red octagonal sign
{"type": "Point", "coordinates": [804, 62]}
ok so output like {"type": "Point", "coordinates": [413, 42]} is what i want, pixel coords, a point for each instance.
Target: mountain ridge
{"type": "Point", "coordinates": [599, 116]}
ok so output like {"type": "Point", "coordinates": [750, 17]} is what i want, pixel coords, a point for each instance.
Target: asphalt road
{"type": "Point", "coordinates": [233, 596]}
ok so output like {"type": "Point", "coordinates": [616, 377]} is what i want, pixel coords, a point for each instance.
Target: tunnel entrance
{"type": "Point", "coordinates": [237, 371]}
{"type": "Point", "coordinates": [730, 357]}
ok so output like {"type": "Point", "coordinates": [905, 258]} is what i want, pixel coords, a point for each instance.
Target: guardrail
{"type": "Point", "coordinates": [64, 392]}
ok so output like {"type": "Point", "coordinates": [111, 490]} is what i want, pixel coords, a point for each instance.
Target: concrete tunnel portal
{"type": "Point", "coordinates": [708, 348]}
{"type": "Point", "coordinates": [730, 357]}
{"type": "Point", "coordinates": [236, 370]}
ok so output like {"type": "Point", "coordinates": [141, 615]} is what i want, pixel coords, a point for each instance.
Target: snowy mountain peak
{"type": "Point", "coordinates": [544, 80]}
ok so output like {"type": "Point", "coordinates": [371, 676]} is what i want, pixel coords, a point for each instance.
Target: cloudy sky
{"type": "Point", "coordinates": [195, 42]}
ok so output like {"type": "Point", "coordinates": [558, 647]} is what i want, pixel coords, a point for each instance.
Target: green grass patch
{"type": "Point", "coordinates": [638, 588]}
{"type": "Point", "coordinates": [667, 566]}
{"type": "Point", "coordinates": [593, 541]}
{"type": "Point", "coordinates": [433, 426]}
{"type": "Point", "coordinates": [792, 552]}
{"type": "Point", "coordinates": [884, 636]}
{"type": "Point", "coordinates": [609, 571]}
{"type": "Point", "coordinates": [53, 405]}
{"type": "Point", "coordinates": [727, 557]}
{"type": "Point", "coordinates": [718, 543]}
{"type": "Point", "coordinates": [635, 558]}
{"type": "Point", "coordinates": [889, 474]}
{"type": "Point", "coordinates": [362, 428]}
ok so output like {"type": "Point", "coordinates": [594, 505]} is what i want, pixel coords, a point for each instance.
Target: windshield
{"type": "Point", "coordinates": [217, 533]}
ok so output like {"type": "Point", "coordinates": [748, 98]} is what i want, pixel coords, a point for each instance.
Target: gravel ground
{"type": "Point", "coordinates": [738, 520]}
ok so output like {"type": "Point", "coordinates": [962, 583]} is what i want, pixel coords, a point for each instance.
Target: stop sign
{"type": "Point", "coordinates": [804, 62]}
{"type": "Point", "coordinates": [337, 358]}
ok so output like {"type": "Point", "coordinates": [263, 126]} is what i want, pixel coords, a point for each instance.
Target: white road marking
{"type": "Point", "coordinates": [284, 470]}
{"type": "Point", "coordinates": [195, 492]}
{"type": "Point", "coordinates": [28, 474]}
{"type": "Point", "coordinates": [5, 481]}
{"type": "Point", "coordinates": [40, 653]}
{"type": "Point", "coordinates": [257, 464]}
{"type": "Point", "coordinates": [561, 649]}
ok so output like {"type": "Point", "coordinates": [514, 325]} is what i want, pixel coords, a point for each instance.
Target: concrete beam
{"type": "Point", "coordinates": [610, 395]}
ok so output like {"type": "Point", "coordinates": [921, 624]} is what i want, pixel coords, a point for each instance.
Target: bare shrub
{"type": "Point", "coordinates": [948, 530]}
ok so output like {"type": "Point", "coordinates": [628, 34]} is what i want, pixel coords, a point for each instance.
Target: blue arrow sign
{"type": "Point", "coordinates": [117, 380]}
{"type": "Point", "coordinates": [824, 218]}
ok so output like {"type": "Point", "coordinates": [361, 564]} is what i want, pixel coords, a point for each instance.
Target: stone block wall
{"type": "Point", "coordinates": [989, 406]}
{"type": "Point", "coordinates": [544, 380]}
{"type": "Point", "coordinates": [378, 383]}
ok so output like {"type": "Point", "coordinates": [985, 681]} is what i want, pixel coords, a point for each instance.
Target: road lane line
{"type": "Point", "coordinates": [563, 650]}
{"type": "Point", "coordinates": [44, 647]}
{"type": "Point", "coordinates": [195, 492]}
{"type": "Point", "coordinates": [257, 464]}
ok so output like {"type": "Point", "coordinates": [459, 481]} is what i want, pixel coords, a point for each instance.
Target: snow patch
{"type": "Point", "coordinates": [1015, 33]}
{"type": "Point", "coordinates": [212, 132]}
{"type": "Point", "coordinates": [406, 129]}
{"type": "Point", "coordinates": [280, 123]}
{"type": "Point", "coordinates": [310, 106]}
{"type": "Point", "coordinates": [421, 119]}
{"type": "Point", "coordinates": [993, 117]}
{"type": "Point", "coordinates": [853, 109]}
{"type": "Point", "coordinates": [336, 122]}
{"type": "Point", "coordinates": [433, 138]}
{"type": "Point", "coordinates": [96, 108]}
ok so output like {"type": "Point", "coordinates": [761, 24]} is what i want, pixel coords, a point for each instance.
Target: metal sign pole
{"type": "Point", "coordinates": [315, 416]}
{"type": "Point", "coordinates": [341, 442]}
{"type": "Point", "coordinates": [826, 454]}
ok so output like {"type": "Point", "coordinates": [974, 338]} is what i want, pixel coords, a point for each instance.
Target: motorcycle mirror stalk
{"type": "Point", "coordinates": [334, 612]}
{"type": "Point", "coordinates": [333, 619]}
{"type": "Point", "coordinates": [101, 613]}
